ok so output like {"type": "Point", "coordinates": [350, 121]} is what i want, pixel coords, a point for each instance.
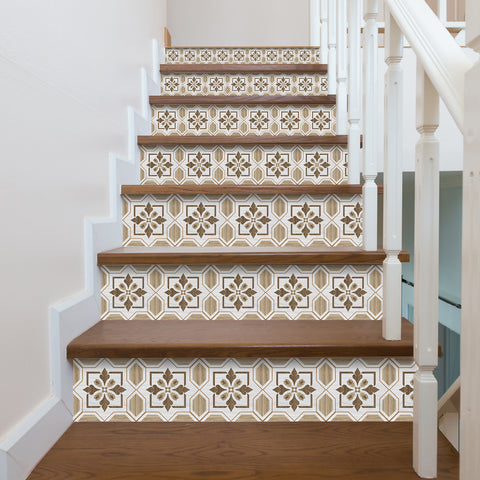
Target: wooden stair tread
{"type": "Point", "coordinates": [243, 256]}
{"type": "Point", "coordinates": [243, 68]}
{"type": "Point", "coordinates": [322, 189]}
{"type": "Point", "coordinates": [242, 140]}
{"type": "Point", "coordinates": [240, 450]}
{"type": "Point", "coordinates": [243, 100]}
{"type": "Point", "coordinates": [243, 338]}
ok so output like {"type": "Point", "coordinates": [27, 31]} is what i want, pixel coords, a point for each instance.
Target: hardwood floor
{"type": "Point", "coordinates": [237, 451]}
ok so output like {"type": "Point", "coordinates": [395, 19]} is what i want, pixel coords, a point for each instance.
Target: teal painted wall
{"type": "Point", "coordinates": [450, 258]}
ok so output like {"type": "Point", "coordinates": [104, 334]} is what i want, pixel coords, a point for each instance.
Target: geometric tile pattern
{"type": "Point", "coordinates": [242, 292]}
{"type": "Point", "coordinates": [244, 84]}
{"type": "Point", "coordinates": [244, 165]}
{"type": "Point", "coordinates": [242, 55]}
{"type": "Point", "coordinates": [243, 389]}
{"type": "Point", "coordinates": [242, 220]}
{"type": "Point", "coordinates": [256, 120]}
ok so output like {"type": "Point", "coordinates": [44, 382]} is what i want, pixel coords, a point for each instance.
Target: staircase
{"type": "Point", "coordinates": [241, 291]}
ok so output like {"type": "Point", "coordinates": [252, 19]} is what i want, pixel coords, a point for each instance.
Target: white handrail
{"type": "Point", "coordinates": [441, 57]}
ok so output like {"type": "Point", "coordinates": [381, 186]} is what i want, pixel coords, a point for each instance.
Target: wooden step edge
{"type": "Point", "coordinates": [158, 100]}
{"type": "Point", "coordinates": [322, 189]}
{"type": "Point", "coordinates": [241, 339]}
{"type": "Point", "coordinates": [243, 256]}
{"type": "Point", "coordinates": [311, 140]}
{"type": "Point", "coordinates": [243, 68]}
{"type": "Point", "coordinates": [257, 47]}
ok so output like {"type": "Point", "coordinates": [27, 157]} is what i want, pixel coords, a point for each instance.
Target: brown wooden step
{"type": "Point", "coordinates": [325, 189]}
{"type": "Point", "coordinates": [239, 450]}
{"type": "Point", "coordinates": [244, 68]}
{"type": "Point", "coordinates": [245, 338]}
{"type": "Point", "coordinates": [243, 256]}
{"type": "Point", "coordinates": [243, 100]}
{"type": "Point", "coordinates": [242, 140]}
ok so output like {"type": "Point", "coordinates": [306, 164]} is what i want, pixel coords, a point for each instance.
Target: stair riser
{"type": "Point", "coordinates": [244, 165]}
{"type": "Point", "coordinates": [243, 220]}
{"type": "Point", "coordinates": [250, 292]}
{"type": "Point", "coordinates": [253, 389]}
{"type": "Point", "coordinates": [244, 84]}
{"type": "Point", "coordinates": [242, 55]}
{"type": "Point", "coordinates": [256, 120]}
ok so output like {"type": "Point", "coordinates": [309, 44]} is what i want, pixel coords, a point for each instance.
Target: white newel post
{"type": "Point", "coordinates": [314, 23]}
{"type": "Point", "coordinates": [354, 89]}
{"type": "Point", "coordinates": [324, 32]}
{"type": "Point", "coordinates": [392, 181]}
{"type": "Point", "coordinates": [342, 128]}
{"type": "Point", "coordinates": [426, 279]}
{"type": "Point", "coordinates": [470, 351]}
{"type": "Point", "coordinates": [370, 196]}
{"type": "Point", "coordinates": [332, 47]}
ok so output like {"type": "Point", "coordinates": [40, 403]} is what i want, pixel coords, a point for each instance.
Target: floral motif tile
{"type": "Point", "coordinates": [246, 165]}
{"type": "Point", "coordinates": [258, 120]}
{"type": "Point", "coordinates": [243, 220]}
{"type": "Point", "coordinates": [258, 389]}
{"type": "Point", "coordinates": [295, 292]}
{"type": "Point", "coordinates": [242, 55]}
{"type": "Point", "coordinates": [244, 84]}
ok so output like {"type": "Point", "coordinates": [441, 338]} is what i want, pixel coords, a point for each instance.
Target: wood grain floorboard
{"type": "Point", "coordinates": [237, 451]}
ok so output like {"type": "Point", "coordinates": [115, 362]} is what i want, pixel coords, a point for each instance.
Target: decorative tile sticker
{"type": "Point", "coordinates": [287, 292]}
{"type": "Point", "coordinates": [250, 389]}
{"type": "Point", "coordinates": [244, 84]}
{"type": "Point", "coordinates": [305, 55]}
{"type": "Point", "coordinates": [243, 220]}
{"type": "Point", "coordinates": [243, 120]}
{"type": "Point", "coordinates": [244, 165]}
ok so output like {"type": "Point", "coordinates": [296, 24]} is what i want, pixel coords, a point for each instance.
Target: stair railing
{"type": "Point", "coordinates": [441, 69]}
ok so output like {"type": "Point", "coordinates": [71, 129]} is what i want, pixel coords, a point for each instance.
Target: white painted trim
{"type": "Point", "coordinates": [36, 434]}
{"type": "Point", "coordinates": [315, 23]}
{"type": "Point", "coordinates": [442, 58]}
{"type": "Point", "coordinates": [26, 444]}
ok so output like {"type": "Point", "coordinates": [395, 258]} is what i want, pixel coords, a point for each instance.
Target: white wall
{"type": "Point", "coordinates": [239, 23]}
{"type": "Point", "coordinates": [68, 71]}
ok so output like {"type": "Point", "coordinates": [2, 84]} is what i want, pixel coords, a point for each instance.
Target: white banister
{"type": "Point", "coordinates": [370, 196]}
{"type": "Point", "coordinates": [315, 23]}
{"type": "Point", "coordinates": [442, 58]}
{"type": "Point", "coordinates": [342, 128]}
{"type": "Point", "coordinates": [470, 350]}
{"type": "Point", "coordinates": [332, 47]}
{"type": "Point", "coordinates": [354, 89]}
{"type": "Point", "coordinates": [426, 278]}
{"type": "Point", "coordinates": [442, 11]}
{"type": "Point", "coordinates": [324, 31]}
{"type": "Point", "coordinates": [392, 180]}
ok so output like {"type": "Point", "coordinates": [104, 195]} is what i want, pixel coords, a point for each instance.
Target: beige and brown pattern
{"type": "Point", "coordinates": [245, 165]}
{"type": "Point", "coordinates": [244, 84]}
{"type": "Point", "coordinates": [290, 292]}
{"type": "Point", "coordinates": [241, 220]}
{"type": "Point", "coordinates": [251, 389]}
{"type": "Point", "coordinates": [258, 120]}
{"type": "Point", "coordinates": [212, 55]}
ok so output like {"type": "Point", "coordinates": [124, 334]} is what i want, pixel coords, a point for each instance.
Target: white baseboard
{"type": "Point", "coordinates": [28, 443]}
{"type": "Point", "coordinates": [33, 438]}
